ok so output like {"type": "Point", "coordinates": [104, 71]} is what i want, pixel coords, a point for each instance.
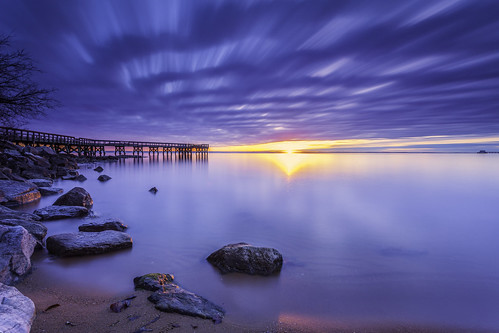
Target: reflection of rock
{"type": "Point", "coordinates": [17, 311]}
{"type": "Point", "coordinates": [99, 169]}
{"type": "Point", "coordinates": [244, 258]}
{"type": "Point", "coordinates": [103, 178]}
{"type": "Point", "coordinates": [170, 297]}
{"type": "Point", "coordinates": [78, 196]}
{"type": "Point", "coordinates": [104, 224]}
{"type": "Point", "coordinates": [46, 191]}
{"type": "Point", "coordinates": [88, 243]}
{"type": "Point", "coordinates": [61, 212]}
{"type": "Point", "coordinates": [16, 247]}
{"type": "Point", "coordinates": [14, 193]}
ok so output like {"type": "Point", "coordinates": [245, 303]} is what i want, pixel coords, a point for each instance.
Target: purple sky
{"type": "Point", "coordinates": [243, 72]}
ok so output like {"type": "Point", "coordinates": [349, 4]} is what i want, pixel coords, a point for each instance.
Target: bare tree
{"type": "Point", "coordinates": [21, 98]}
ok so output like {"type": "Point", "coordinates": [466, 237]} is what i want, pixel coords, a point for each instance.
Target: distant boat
{"type": "Point", "coordinates": [482, 152]}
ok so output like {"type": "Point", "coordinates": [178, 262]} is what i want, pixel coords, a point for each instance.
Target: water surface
{"type": "Point", "coordinates": [365, 237]}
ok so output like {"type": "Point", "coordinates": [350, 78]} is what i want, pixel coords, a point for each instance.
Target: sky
{"type": "Point", "coordinates": [421, 73]}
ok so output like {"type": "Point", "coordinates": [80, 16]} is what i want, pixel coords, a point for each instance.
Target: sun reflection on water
{"type": "Point", "coordinates": [293, 163]}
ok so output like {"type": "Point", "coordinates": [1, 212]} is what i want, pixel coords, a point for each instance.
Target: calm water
{"type": "Point", "coordinates": [388, 237]}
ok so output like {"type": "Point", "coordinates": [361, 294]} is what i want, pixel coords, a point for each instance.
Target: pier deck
{"type": "Point", "coordinates": [92, 147]}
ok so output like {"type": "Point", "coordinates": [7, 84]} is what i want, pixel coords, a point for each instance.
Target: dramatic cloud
{"type": "Point", "coordinates": [240, 72]}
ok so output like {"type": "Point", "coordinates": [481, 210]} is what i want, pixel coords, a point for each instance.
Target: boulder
{"type": "Point", "coordinates": [170, 297]}
{"type": "Point", "coordinates": [7, 213]}
{"type": "Point", "coordinates": [35, 172]}
{"type": "Point", "coordinates": [153, 190]}
{"type": "Point", "coordinates": [42, 182]}
{"type": "Point", "coordinates": [104, 224]}
{"type": "Point", "coordinates": [80, 178]}
{"type": "Point", "coordinates": [17, 193]}
{"type": "Point", "coordinates": [46, 151]}
{"type": "Point", "coordinates": [99, 169]}
{"type": "Point", "coordinates": [244, 258]}
{"type": "Point", "coordinates": [17, 311]}
{"type": "Point", "coordinates": [36, 229]}
{"type": "Point", "coordinates": [88, 243]}
{"type": "Point", "coordinates": [12, 152]}
{"type": "Point", "coordinates": [61, 212]}
{"type": "Point", "coordinates": [16, 247]}
{"type": "Point", "coordinates": [103, 178]}
{"type": "Point", "coordinates": [77, 196]}
{"type": "Point", "coordinates": [46, 191]}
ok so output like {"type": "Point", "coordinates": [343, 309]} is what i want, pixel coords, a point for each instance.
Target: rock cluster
{"type": "Point", "coordinates": [170, 297]}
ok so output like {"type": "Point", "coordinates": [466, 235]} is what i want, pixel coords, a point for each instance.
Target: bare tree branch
{"type": "Point", "coordinates": [21, 98]}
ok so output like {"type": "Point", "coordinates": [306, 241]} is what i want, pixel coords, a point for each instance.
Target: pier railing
{"type": "Point", "coordinates": [90, 147]}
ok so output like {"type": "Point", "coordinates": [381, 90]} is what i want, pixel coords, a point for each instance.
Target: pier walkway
{"type": "Point", "coordinates": [91, 147]}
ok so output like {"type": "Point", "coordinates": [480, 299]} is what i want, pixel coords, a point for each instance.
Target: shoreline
{"type": "Point", "coordinates": [89, 312]}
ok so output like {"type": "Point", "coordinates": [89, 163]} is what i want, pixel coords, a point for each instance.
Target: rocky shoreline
{"type": "Point", "coordinates": [27, 174]}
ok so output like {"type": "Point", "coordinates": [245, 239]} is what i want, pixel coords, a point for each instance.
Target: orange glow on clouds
{"type": "Point", "coordinates": [384, 144]}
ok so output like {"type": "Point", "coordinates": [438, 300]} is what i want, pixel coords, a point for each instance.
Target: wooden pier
{"type": "Point", "coordinates": [92, 147]}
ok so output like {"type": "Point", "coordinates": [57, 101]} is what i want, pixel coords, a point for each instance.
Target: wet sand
{"type": "Point", "coordinates": [78, 312]}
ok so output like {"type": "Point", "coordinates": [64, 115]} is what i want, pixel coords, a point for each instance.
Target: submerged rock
{"type": "Point", "coordinates": [14, 193]}
{"type": "Point", "coordinates": [17, 311]}
{"type": "Point", "coordinates": [244, 258]}
{"type": "Point", "coordinates": [42, 182]}
{"type": "Point", "coordinates": [99, 169]}
{"type": "Point", "coordinates": [46, 191]}
{"type": "Point", "coordinates": [103, 178]}
{"type": "Point", "coordinates": [60, 212]}
{"type": "Point", "coordinates": [16, 247]}
{"type": "Point", "coordinates": [170, 297]}
{"type": "Point", "coordinates": [103, 224]}
{"type": "Point", "coordinates": [80, 178]}
{"type": "Point", "coordinates": [88, 243]}
{"type": "Point", "coordinates": [77, 196]}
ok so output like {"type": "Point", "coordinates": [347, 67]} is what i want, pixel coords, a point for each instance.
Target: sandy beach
{"type": "Point", "coordinates": [80, 313]}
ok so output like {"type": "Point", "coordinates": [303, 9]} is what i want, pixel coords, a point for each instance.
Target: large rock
{"type": "Point", "coordinates": [36, 229]}
{"type": "Point", "coordinates": [7, 213]}
{"type": "Point", "coordinates": [103, 178]}
{"type": "Point", "coordinates": [16, 247]}
{"type": "Point", "coordinates": [60, 212]}
{"type": "Point", "coordinates": [17, 311]}
{"type": "Point", "coordinates": [103, 224]}
{"type": "Point", "coordinates": [170, 297]}
{"type": "Point", "coordinates": [14, 193]}
{"type": "Point", "coordinates": [46, 191]}
{"type": "Point", "coordinates": [87, 243]}
{"type": "Point", "coordinates": [78, 196]}
{"type": "Point", "coordinates": [42, 182]}
{"type": "Point", "coordinates": [244, 258]}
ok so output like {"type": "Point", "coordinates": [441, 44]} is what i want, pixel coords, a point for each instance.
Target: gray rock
{"type": "Point", "coordinates": [46, 151]}
{"type": "Point", "coordinates": [18, 193]}
{"type": "Point", "coordinates": [170, 297]}
{"type": "Point", "coordinates": [81, 178]}
{"type": "Point", "coordinates": [77, 196]}
{"type": "Point", "coordinates": [244, 258]}
{"type": "Point", "coordinates": [103, 178]}
{"type": "Point", "coordinates": [42, 182]}
{"type": "Point", "coordinates": [46, 191]}
{"type": "Point", "coordinates": [16, 247]}
{"type": "Point", "coordinates": [88, 243]}
{"type": "Point", "coordinates": [60, 212]}
{"type": "Point", "coordinates": [36, 229]}
{"type": "Point", "coordinates": [17, 311]}
{"type": "Point", "coordinates": [101, 225]}
{"type": "Point", "coordinates": [12, 153]}
{"type": "Point", "coordinates": [7, 213]}
{"type": "Point", "coordinates": [99, 169]}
